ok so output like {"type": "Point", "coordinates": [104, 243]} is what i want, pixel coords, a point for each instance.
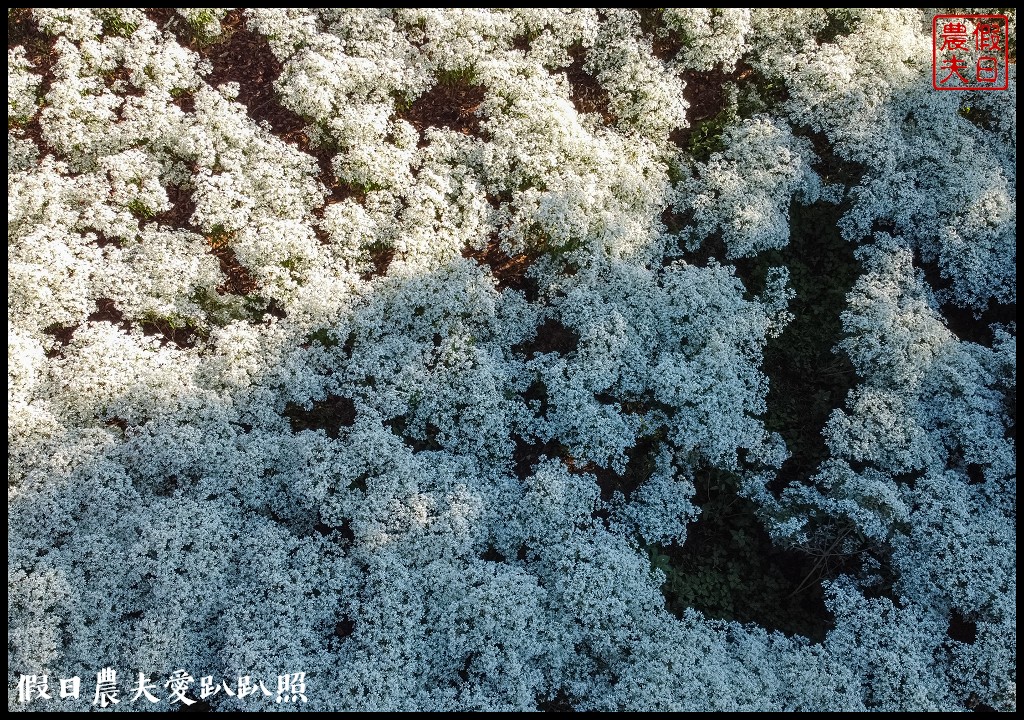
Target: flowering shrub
{"type": "Point", "coordinates": [397, 347]}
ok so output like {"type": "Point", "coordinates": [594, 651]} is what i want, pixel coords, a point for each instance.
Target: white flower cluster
{"type": "Point", "coordinates": [403, 399]}
{"type": "Point", "coordinates": [204, 22]}
{"type": "Point", "coordinates": [22, 85]}
{"type": "Point", "coordinates": [711, 36]}
{"type": "Point", "coordinates": [921, 461]}
{"type": "Point", "coordinates": [643, 94]}
{"type": "Point", "coordinates": [745, 191]}
{"type": "Point", "coordinates": [942, 183]}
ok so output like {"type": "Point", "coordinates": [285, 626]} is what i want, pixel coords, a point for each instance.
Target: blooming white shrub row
{"type": "Point", "coordinates": [712, 37]}
{"type": "Point", "coordinates": [744, 192]}
{"type": "Point", "coordinates": [926, 175]}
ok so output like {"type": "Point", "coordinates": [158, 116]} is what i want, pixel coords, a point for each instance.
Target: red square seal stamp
{"type": "Point", "coordinates": [970, 52]}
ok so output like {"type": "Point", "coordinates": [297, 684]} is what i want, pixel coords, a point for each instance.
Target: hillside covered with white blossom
{"type": "Point", "coordinates": [508, 360]}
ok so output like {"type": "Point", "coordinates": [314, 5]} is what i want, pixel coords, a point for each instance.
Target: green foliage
{"type": "Point", "coordinates": [841, 22]}
{"type": "Point", "coordinates": [759, 94]}
{"type": "Point", "coordinates": [977, 115]}
{"type": "Point", "coordinates": [201, 19]}
{"type": "Point", "coordinates": [174, 328]}
{"type": "Point", "coordinates": [462, 75]}
{"type": "Point", "coordinates": [708, 137]}
{"type": "Point", "coordinates": [197, 25]}
{"type": "Point", "coordinates": [218, 237]}
{"type": "Point", "coordinates": [169, 320]}
{"type": "Point", "coordinates": [402, 102]}
{"type": "Point", "coordinates": [222, 310]}
{"type": "Point", "coordinates": [140, 210]}
{"type": "Point", "coordinates": [115, 24]}
{"type": "Point", "coordinates": [729, 569]}
{"type": "Point", "coordinates": [330, 415]}
{"type": "Point", "coordinates": [324, 337]}
{"type": "Point", "coordinates": [677, 171]}
{"type": "Point", "coordinates": [807, 377]}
